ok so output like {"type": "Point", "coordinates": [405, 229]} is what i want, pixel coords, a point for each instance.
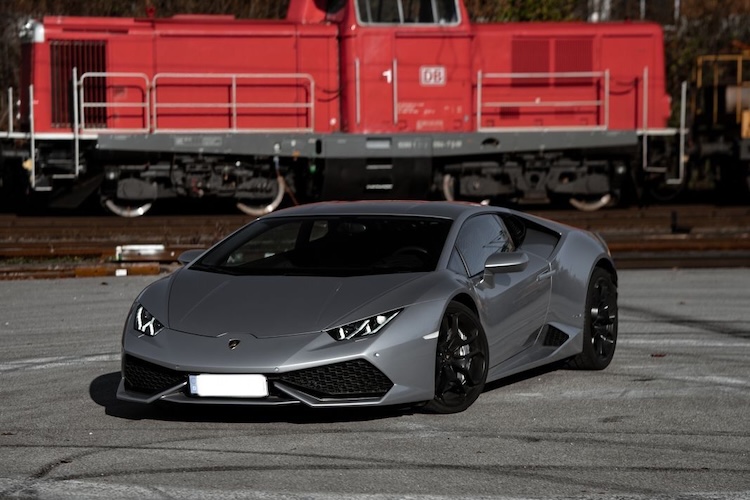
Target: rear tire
{"type": "Point", "coordinates": [461, 362]}
{"type": "Point", "coordinates": [600, 323]}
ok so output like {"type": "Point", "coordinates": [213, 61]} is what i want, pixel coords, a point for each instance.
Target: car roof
{"type": "Point", "coordinates": [442, 209]}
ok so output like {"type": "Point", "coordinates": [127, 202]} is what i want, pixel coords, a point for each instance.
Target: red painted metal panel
{"type": "Point", "coordinates": [434, 81]}
{"type": "Point", "coordinates": [569, 75]}
{"type": "Point", "coordinates": [218, 73]}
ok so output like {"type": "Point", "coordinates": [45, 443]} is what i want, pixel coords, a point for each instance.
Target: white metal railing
{"type": "Point", "coordinates": [10, 111]}
{"type": "Point", "coordinates": [357, 92]}
{"type": "Point", "coordinates": [141, 83]}
{"type": "Point", "coordinates": [598, 82]}
{"type": "Point", "coordinates": [233, 105]}
{"type": "Point", "coordinates": [153, 109]}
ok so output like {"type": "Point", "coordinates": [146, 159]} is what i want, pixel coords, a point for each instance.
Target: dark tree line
{"type": "Point", "coordinates": [692, 27]}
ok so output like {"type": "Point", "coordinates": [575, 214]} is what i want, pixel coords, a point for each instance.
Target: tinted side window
{"type": "Point", "coordinates": [480, 237]}
{"type": "Point", "coordinates": [455, 263]}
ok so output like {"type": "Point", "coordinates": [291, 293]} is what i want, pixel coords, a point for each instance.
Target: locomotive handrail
{"type": "Point", "coordinates": [602, 102]}
{"type": "Point", "coordinates": [10, 111]}
{"type": "Point", "coordinates": [151, 105]}
{"type": "Point", "coordinates": [232, 104]}
{"type": "Point", "coordinates": [81, 94]}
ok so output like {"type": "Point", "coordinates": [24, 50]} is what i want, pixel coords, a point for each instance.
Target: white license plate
{"type": "Point", "coordinates": [229, 386]}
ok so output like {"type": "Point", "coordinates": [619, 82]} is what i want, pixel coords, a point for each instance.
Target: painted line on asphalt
{"type": "Point", "coordinates": [683, 342]}
{"type": "Point", "coordinates": [75, 490]}
{"type": "Point", "coordinates": [56, 362]}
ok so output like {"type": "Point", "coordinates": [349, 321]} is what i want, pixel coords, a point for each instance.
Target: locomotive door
{"type": "Point", "coordinates": [412, 67]}
{"type": "Point", "coordinates": [627, 80]}
{"type": "Point", "coordinates": [374, 70]}
{"type": "Point", "coordinates": [433, 80]}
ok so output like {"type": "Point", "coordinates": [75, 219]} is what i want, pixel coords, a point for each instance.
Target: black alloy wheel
{"type": "Point", "coordinates": [462, 361]}
{"type": "Point", "coordinates": [600, 323]}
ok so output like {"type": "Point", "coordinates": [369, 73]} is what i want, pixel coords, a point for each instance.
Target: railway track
{"type": "Point", "coordinates": [654, 237]}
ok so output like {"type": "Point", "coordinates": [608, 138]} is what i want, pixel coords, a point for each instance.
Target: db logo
{"type": "Point", "coordinates": [432, 75]}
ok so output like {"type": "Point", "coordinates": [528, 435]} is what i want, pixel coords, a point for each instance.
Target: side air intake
{"type": "Point", "coordinates": [555, 337]}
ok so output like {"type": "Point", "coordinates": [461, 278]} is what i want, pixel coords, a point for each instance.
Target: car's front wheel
{"type": "Point", "coordinates": [462, 360]}
{"type": "Point", "coordinates": [600, 323]}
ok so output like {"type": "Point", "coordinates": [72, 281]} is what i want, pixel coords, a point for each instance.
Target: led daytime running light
{"type": "Point", "coordinates": [146, 323]}
{"type": "Point", "coordinates": [362, 328]}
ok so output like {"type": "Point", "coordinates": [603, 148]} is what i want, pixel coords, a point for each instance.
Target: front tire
{"type": "Point", "coordinates": [600, 323]}
{"type": "Point", "coordinates": [461, 362]}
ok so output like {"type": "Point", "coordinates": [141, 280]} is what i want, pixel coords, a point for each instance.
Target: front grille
{"type": "Point", "coordinates": [142, 376]}
{"type": "Point", "coordinates": [356, 378]}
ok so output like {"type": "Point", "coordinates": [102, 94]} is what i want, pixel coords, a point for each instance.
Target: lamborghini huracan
{"type": "Point", "coordinates": [343, 304]}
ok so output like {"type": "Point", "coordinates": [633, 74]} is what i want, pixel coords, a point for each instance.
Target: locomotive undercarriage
{"type": "Point", "coordinates": [257, 187]}
{"type": "Point", "coordinates": [129, 181]}
{"type": "Point", "coordinates": [588, 184]}
{"type": "Point", "coordinates": [129, 184]}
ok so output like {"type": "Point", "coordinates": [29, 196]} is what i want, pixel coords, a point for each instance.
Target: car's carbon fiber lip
{"type": "Point", "coordinates": [311, 400]}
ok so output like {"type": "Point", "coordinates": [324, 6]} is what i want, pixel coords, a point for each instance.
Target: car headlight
{"type": "Point", "coordinates": [146, 323]}
{"type": "Point", "coordinates": [363, 327]}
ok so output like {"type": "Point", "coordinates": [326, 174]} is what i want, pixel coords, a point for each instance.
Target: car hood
{"type": "Point", "coordinates": [210, 304]}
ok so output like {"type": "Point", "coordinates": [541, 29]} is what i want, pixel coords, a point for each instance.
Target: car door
{"type": "Point", "coordinates": [513, 305]}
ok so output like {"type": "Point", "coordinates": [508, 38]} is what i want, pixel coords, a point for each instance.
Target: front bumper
{"type": "Point", "coordinates": [350, 383]}
{"type": "Point", "coordinates": [395, 366]}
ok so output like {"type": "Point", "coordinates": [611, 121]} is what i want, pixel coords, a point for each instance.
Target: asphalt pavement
{"type": "Point", "coordinates": [669, 419]}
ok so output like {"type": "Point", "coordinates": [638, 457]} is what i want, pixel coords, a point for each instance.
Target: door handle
{"type": "Point", "coordinates": [545, 275]}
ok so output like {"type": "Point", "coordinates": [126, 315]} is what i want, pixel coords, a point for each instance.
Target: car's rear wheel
{"type": "Point", "coordinates": [462, 360]}
{"type": "Point", "coordinates": [600, 323]}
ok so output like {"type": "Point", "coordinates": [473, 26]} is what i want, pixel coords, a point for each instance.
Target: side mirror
{"type": "Point", "coordinates": [506, 262]}
{"type": "Point", "coordinates": [189, 256]}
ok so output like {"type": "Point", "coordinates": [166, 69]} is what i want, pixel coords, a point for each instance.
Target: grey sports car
{"type": "Point", "coordinates": [371, 303]}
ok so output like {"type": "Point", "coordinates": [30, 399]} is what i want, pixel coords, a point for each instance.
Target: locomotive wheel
{"type": "Point", "coordinates": [449, 187]}
{"type": "Point", "coordinates": [586, 205]}
{"type": "Point", "coordinates": [449, 190]}
{"type": "Point", "coordinates": [126, 208]}
{"type": "Point", "coordinates": [258, 210]}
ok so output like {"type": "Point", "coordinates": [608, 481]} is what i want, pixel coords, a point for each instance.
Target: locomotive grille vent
{"type": "Point", "coordinates": [530, 55]}
{"type": "Point", "coordinates": [86, 56]}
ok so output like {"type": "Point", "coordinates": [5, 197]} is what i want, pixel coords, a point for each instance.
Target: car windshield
{"type": "Point", "coordinates": [330, 246]}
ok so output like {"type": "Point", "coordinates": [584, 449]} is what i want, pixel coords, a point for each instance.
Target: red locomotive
{"type": "Point", "coordinates": [341, 100]}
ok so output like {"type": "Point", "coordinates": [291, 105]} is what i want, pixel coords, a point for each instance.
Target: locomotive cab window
{"type": "Point", "coordinates": [407, 11]}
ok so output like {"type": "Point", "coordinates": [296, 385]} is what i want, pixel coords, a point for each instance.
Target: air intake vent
{"type": "Point", "coordinates": [555, 337]}
{"type": "Point", "coordinates": [356, 378]}
{"type": "Point", "coordinates": [530, 55]}
{"type": "Point", "coordinates": [142, 376]}
{"type": "Point", "coordinates": [86, 56]}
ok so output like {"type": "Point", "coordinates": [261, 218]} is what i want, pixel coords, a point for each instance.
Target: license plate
{"type": "Point", "coordinates": [229, 386]}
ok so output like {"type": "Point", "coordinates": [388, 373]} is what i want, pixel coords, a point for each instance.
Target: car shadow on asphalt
{"type": "Point", "coordinates": [103, 389]}
{"type": "Point", "coordinates": [529, 374]}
